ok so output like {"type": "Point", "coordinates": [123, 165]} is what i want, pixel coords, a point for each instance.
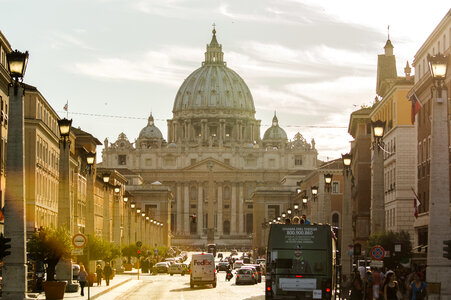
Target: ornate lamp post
{"type": "Point", "coordinates": [346, 233]}
{"type": "Point", "coordinates": [438, 268]}
{"type": "Point", "coordinates": [90, 159]}
{"type": "Point", "coordinates": [327, 203]}
{"type": "Point", "coordinates": [377, 211]}
{"type": "Point", "coordinates": [14, 284]}
{"type": "Point", "coordinates": [314, 190]}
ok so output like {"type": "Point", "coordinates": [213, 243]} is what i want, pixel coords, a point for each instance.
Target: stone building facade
{"type": "Point", "coordinates": [214, 157]}
{"type": "Point", "coordinates": [399, 150]}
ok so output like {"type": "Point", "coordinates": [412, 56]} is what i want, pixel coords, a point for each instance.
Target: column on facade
{"type": "Point", "coordinates": [179, 210]}
{"type": "Point", "coordinates": [240, 209]}
{"type": "Point", "coordinates": [170, 135]}
{"type": "Point", "coordinates": [321, 198]}
{"type": "Point", "coordinates": [377, 212]}
{"type": "Point", "coordinates": [117, 219]}
{"type": "Point", "coordinates": [106, 214]}
{"type": "Point", "coordinates": [233, 210]}
{"type": "Point", "coordinates": [346, 231]}
{"type": "Point", "coordinates": [189, 132]}
{"type": "Point", "coordinates": [200, 213]}
{"type": "Point", "coordinates": [204, 129]}
{"type": "Point", "coordinates": [132, 224]}
{"type": "Point", "coordinates": [186, 209]}
{"type": "Point", "coordinates": [219, 210]}
{"type": "Point", "coordinates": [90, 213]}
{"type": "Point", "coordinates": [439, 230]}
{"type": "Point", "coordinates": [65, 213]}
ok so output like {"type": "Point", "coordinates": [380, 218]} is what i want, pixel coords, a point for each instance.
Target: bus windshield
{"type": "Point", "coordinates": [300, 262]}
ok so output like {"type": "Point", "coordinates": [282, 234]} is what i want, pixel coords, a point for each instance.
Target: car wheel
{"type": "Point", "coordinates": [172, 274]}
{"type": "Point", "coordinates": [214, 284]}
{"type": "Point", "coordinates": [183, 273]}
{"type": "Point", "coordinates": [191, 285]}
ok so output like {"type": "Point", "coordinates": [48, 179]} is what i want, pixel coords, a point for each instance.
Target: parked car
{"type": "Point", "coordinates": [245, 275]}
{"type": "Point", "coordinates": [177, 269]}
{"type": "Point", "coordinates": [161, 267]}
{"type": "Point", "coordinates": [170, 260]}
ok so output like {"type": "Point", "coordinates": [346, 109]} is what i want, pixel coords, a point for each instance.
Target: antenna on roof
{"type": "Point", "coordinates": [388, 32]}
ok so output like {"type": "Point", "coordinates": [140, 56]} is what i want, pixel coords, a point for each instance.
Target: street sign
{"type": "Point", "coordinates": [377, 264]}
{"type": "Point", "coordinates": [79, 240]}
{"type": "Point", "coordinates": [139, 244]}
{"type": "Point", "coordinates": [77, 251]}
{"type": "Point", "coordinates": [377, 252]}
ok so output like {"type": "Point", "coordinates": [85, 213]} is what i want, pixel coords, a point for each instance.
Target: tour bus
{"type": "Point", "coordinates": [300, 262]}
{"type": "Point", "coordinates": [211, 248]}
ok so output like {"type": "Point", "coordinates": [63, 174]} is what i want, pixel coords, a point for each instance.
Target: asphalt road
{"type": "Point", "coordinates": [164, 286]}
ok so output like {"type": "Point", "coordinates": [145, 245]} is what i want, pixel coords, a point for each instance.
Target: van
{"type": "Point", "coordinates": [203, 270]}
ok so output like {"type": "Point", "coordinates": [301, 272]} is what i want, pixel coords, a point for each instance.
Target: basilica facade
{"type": "Point", "coordinates": [214, 157]}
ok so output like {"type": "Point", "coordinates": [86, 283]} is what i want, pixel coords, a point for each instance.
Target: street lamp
{"type": "Point", "coordinates": [296, 206]}
{"type": "Point", "coordinates": [125, 199]}
{"type": "Point", "coordinates": [106, 177]}
{"type": "Point", "coordinates": [314, 190]}
{"type": "Point", "coordinates": [138, 210]}
{"type": "Point", "coordinates": [132, 205]}
{"type": "Point", "coordinates": [117, 188]}
{"type": "Point", "coordinates": [328, 180]}
{"type": "Point", "coordinates": [289, 211]}
{"type": "Point", "coordinates": [438, 65]}
{"type": "Point", "coordinates": [90, 158]}
{"type": "Point", "coordinates": [64, 127]}
{"type": "Point", "coordinates": [15, 279]}
{"type": "Point", "coordinates": [284, 215]}
{"type": "Point", "coordinates": [378, 133]}
{"type": "Point", "coordinates": [347, 159]}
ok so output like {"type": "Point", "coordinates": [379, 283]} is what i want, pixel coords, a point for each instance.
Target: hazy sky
{"type": "Point", "coordinates": [312, 61]}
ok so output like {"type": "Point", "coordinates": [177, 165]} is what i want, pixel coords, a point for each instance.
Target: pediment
{"type": "Point", "coordinates": [206, 164]}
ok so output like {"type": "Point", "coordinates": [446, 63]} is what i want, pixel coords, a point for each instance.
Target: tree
{"type": "Point", "coordinates": [130, 251]}
{"type": "Point", "coordinates": [101, 249]}
{"type": "Point", "coordinates": [388, 240]}
{"type": "Point", "coordinates": [50, 245]}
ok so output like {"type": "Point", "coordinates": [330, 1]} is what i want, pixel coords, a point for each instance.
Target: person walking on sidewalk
{"type": "Point", "coordinates": [107, 271]}
{"type": "Point", "coordinates": [99, 273]}
{"type": "Point", "coordinates": [82, 279]}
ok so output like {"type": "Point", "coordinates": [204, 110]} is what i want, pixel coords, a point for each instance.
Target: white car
{"type": "Point", "coordinates": [238, 264]}
{"type": "Point", "coordinates": [202, 270]}
{"type": "Point", "coordinates": [245, 275]}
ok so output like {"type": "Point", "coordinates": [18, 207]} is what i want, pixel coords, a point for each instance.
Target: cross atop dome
{"type": "Point", "coordinates": [214, 54]}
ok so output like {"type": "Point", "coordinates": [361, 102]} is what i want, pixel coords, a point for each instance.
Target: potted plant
{"type": "Point", "coordinates": [50, 245]}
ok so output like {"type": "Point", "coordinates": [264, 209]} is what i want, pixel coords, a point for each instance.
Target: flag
{"type": "Point", "coordinates": [416, 106]}
{"type": "Point", "coordinates": [66, 107]}
{"type": "Point", "coordinates": [416, 203]}
{"type": "Point", "coordinates": [2, 216]}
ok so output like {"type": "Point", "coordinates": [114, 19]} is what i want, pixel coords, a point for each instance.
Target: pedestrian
{"type": "Point", "coordinates": [356, 287]}
{"type": "Point", "coordinates": [345, 287]}
{"type": "Point", "coordinates": [376, 283]}
{"type": "Point", "coordinates": [368, 283]}
{"type": "Point", "coordinates": [82, 279]}
{"type": "Point", "coordinates": [417, 287]}
{"type": "Point", "coordinates": [107, 271]}
{"type": "Point", "coordinates": [99, 273]}
{"type": "Point", "coordinates": [391, 287]}
{"type": "Point", "coordinates": [306, 221]}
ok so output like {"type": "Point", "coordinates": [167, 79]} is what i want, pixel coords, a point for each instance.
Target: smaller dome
{"type": "Point", "coordinates": [275, 132]}
{"type": "Point", "coordinates": [172, 145]}
{"type": "Point", "coordinates": [151, 131]}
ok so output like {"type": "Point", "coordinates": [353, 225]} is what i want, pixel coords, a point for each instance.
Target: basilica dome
{"type": "Point", "coordinates": [275, 133]}
{"type": "Point", "coordinates": [214, 88]}
{"type": "Point", "coordinates": [150, 132]}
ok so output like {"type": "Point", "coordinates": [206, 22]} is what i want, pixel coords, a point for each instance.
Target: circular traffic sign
{"type": "Point", "coordinates": [79, 240]}
{"type": "Point", "coordinates": [377, 252]}
{"type": "Point", "coordinates": [139, 244]}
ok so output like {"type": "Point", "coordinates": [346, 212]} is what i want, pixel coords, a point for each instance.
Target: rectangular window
{"type": "Point", "coordinates": [122, 160]}
{"type": "Point", "coordinates": [193, 161]}
{"type": "Point", "coordinates": [193, 206]}
{"type": "Point", "coordinates": [272, 162]}
{"type": "Point", "coordinates": [298, 160]}
{"type": "Point", "coordinates": [148, 162]}
{"type": "Point", "coordinates": [335, 187]}
{"type": "Point", "coordinates": [226, 206]}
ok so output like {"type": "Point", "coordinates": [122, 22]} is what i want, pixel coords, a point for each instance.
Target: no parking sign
{"type": "Point", "coordinates": [377, 252]}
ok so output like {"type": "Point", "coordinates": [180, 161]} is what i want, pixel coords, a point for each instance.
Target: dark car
{"type": "Point", "coordinates": [259, 269]}
{"type": "Point", "coordinates": [220, 255]}
{"type": "Point", "coordinates": [222, 266]}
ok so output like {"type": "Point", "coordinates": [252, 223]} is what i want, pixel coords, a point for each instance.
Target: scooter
{"type": "Point", "coordinates": [229, 275]}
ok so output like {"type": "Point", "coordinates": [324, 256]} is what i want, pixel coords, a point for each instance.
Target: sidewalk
{"type": "Point", "coordinates": [97, 291]}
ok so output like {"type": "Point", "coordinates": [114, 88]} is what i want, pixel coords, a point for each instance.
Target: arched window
{"type": "Point", "coordinates": [335, 219]}
{"type": "Point", "coordinates": [226, 227]}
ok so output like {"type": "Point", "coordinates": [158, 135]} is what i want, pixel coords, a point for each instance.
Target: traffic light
{"type": "Point", "coordinates": [194, 218]}
{"type": "Point", "coordinates": [447, 249]}
{"type": "Point", "coordinates": [138, 252]}
{"type": "Point", "coordinates": [4, 246]}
